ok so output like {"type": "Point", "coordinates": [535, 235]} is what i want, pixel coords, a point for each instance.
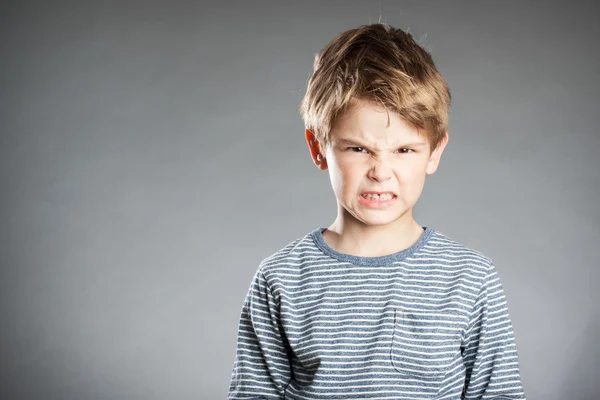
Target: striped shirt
{"type": "Point", "coordinates": [428, 322]}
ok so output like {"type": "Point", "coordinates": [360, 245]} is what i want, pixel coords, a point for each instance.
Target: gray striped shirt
{"type": "Point", "coordinates": [429, 322]}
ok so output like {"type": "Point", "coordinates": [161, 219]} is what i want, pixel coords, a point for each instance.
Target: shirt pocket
{"type": "Point", "coordinates": [425, 343]}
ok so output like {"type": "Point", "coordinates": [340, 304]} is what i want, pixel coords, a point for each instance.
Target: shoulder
{"type": "Point", "coordinates": [450, 250]}
{"type": "Point", "coordinates": [477, 269]}
{"type": "Point", "coordinates": [290, 256]}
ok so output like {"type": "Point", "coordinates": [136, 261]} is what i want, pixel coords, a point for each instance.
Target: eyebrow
{"type": "Point", "coordinates": [356, 143]}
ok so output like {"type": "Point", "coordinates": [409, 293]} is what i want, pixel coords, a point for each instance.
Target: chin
{"type": "Point", "coordinates": [381, 221]}
{"type": "Point", "coordinates": [377, 224]}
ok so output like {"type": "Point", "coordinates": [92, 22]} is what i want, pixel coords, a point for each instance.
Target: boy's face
{"type": "Point", "coordinates": [366, 155]}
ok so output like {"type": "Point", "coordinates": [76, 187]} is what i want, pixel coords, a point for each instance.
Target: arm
{"type": "Point", "coordinates": [490, 353]}
{"type": "Point", "coordinates": [261, 369]}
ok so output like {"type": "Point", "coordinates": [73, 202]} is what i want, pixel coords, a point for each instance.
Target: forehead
{"type": "Point", "coordinates": [371, 123]}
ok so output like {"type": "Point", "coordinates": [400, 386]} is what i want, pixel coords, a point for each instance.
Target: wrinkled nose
{"type": "Point", "coordinates": [380, 171]}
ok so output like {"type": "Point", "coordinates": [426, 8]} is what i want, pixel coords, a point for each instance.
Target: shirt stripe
{"type": "Point", "coordinates": [429, 322]}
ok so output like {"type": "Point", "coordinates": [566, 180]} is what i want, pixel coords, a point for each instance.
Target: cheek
{"type": "Point", "coordinates": [413, 181]}
{"type": "Point", "coordinates": [337, 178]}
{"type": "Point", "coordinates": [412, 177]}
{"type": "Point", "coordinates": [344, 178]}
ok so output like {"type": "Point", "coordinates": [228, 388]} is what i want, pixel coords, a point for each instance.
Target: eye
{"type": "Point", "coordinates": [360, 149]}
{"type": "Point", "coordinates": [405, 152]}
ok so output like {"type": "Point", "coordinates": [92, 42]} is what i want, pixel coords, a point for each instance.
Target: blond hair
{"type": "Point", "coordinates": [380, 64]}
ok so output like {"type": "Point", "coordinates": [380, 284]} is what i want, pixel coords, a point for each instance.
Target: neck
{"type": "Point", "coordinates": [356, 238]}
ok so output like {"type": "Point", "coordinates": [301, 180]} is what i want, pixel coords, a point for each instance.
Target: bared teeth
{"type": "Point", "coordinates": [384, 196]}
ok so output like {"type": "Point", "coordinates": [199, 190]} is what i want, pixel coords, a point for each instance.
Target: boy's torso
{"type": "Point", "coordinates": [390, 328]}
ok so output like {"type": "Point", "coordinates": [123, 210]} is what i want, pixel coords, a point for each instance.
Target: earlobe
{"type": "Point", "coordinates": [322, 163]}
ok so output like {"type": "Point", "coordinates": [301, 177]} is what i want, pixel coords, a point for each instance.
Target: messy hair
{"type": "Point", "coordinates": [382, 65]}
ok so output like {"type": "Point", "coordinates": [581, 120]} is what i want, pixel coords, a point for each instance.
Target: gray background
{"type": "Point", "coordinates": [151, 156]}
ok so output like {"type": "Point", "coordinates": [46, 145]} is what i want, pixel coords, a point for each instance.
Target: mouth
{"type": "Point", "coordinates": [381, 200]}
{"type": "Point", "coordinates": [378, 196]}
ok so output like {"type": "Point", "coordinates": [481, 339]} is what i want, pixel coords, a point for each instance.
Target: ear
{"type": "Point", "coordinates": [434, 157]}
{"type": "Point", "coordinates": [317, 153]}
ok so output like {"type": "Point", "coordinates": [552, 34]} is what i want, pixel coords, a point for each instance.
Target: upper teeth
{"type": "Point", "coordinates": [384, 196]}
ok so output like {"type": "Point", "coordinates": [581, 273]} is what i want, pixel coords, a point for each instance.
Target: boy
{"type": "Point", "coordinates": [375, 306]}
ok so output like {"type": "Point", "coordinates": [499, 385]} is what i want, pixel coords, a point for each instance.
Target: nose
{"type": "Point", "coordinates": [380, 171]}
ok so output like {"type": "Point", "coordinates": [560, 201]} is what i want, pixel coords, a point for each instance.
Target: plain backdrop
{"type": "Point", "coordinates": [151, 156]}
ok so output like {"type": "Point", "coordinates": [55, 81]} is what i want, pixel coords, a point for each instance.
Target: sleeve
{"type": "Point", "coordinates": [489, 348]}
{"type": "Point", "coordinates": [261, 369]}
